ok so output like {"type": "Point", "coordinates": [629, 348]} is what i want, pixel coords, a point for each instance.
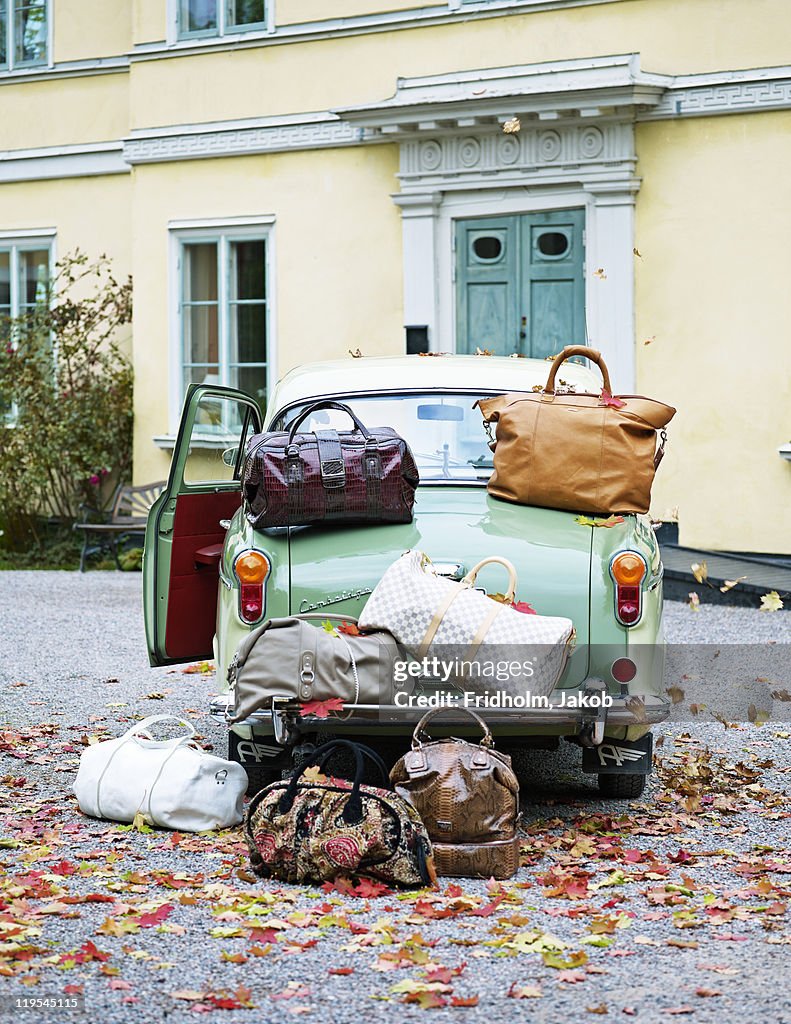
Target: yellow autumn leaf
{"type": "Point", "coordinates": [771, 602]}
{"type": "Point", "coordinates": [600, 274]}
{"type": "Point", "coordinates": [700, 571]}
{"type": "Point", "coordinates": [730, 584]}
{"type": "Point", "coordinates": [512, 126]}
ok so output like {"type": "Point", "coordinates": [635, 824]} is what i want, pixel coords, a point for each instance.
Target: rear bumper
{"type": "Point", "coordinates": [284, 722]}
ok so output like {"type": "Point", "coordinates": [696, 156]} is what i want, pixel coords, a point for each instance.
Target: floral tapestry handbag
{"type": "Point", "coordinates": [314, 829]}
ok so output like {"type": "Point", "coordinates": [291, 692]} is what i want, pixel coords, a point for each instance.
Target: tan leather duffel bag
{"type": "Point", "coordinates": [577, 451]}
{"type": "Point", "coordinates": [468, 797]}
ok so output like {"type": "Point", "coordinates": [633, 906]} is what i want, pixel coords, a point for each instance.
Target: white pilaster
{"type": "Point", "coordinates": [418, 218]}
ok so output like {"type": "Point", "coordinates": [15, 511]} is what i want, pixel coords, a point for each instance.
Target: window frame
{"type": "Point", "coordinates": [13, 242]}
{"type": "Point", "coordinates": [223, 29]}
{"type": "Point", "coordinates": [10, 64]}
{"type": "Point", "coordinates": [223, 233]}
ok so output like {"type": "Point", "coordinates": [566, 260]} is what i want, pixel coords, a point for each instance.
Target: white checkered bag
{"type": "Point", "coordinates": [433, 616]}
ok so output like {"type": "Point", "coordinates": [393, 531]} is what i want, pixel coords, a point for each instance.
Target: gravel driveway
{"type": "Point", "coordinates": [674, 905]}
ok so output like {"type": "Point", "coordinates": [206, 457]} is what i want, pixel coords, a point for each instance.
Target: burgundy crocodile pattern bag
{"type": "Point", "coordinates": [360, 475]}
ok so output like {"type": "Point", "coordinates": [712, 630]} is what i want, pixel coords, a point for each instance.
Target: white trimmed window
{"type": "Point", "coordinates": [25, 274]}
{"type": "Point", "coordinates": [24, 33]}
{"type": "Point", "coordinates": [223, 304]}
{"type": "Point", "coordinates": [220, 17]}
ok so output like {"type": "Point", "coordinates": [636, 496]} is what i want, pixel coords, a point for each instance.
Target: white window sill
{"type": "Point", "coordinates": [167, 442]}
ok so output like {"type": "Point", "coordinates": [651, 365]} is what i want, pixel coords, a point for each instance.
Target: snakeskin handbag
{"type": "Point", "coordinates": [312, 830]}
{"type": "Point", "coordinates": [350, 476]}
{"type": "Point", "coordinates": [468, 797]}
{"type": "Point", "coordinates": [433, 616]}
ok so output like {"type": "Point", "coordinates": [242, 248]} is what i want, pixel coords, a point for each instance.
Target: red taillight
{"type": "Point", "coordinates": [252, 601]}
{"type": "Point", "coordinates": [623, 670]}
{"type": "Point", "coordinates": [252, 569]}
{"type": "Point", "coordinates": [628, 570]}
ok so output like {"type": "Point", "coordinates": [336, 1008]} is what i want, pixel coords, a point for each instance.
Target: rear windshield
{"type": "Point", "coordinates": [445, 433]}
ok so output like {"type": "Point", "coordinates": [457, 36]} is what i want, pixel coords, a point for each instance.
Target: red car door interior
{"type": "Point", "coordinates": [194, 572]}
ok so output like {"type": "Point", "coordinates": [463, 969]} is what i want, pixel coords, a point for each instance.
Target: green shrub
{"type": "Point", "coordinates": [66, 398]}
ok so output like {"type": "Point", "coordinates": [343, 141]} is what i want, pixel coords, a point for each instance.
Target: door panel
{"type": "Point", "coordinates": [486, 284]}
{"type": "Point", "coordinates": [180, 576]}
{"type": "Point", "coordinates": [520, 284]}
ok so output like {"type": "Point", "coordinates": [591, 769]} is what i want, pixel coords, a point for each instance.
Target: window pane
{"type": "Point", "coordinates": [3, 37]}
{"type": "Point", "coordinates": [5, 281]}
{"type": "Point", "coordinates": [246, 12]}
{"type": "Point", "coordinates": [251, 380]}
{"type": "Point", "coordinates": [30, 31]}
{"type": "Point", "coordinates": [248, 333]}
{"type": "Point", "coordinates": [217, 427]}
{"type": "Point", "coordinates": [200, 272]}
{"type": "Point", "coordinates": [201, 340]}
{"type": "Point", "coordinates": [198, 15]}
{"type": "Point", "coordinates": [206, 374]}
{"type": "Point", "coordinates": [248, 270]}
{"type": "Point", "coordinates": [33, 277]}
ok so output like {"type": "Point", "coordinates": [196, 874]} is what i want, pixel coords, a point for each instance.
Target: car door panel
{"type": "Point", "coordinates": [184, 535]}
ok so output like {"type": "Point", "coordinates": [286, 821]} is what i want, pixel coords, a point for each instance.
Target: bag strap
{"type": "Point", "coordinates": [472, 575]}
{"type": "Point", "coordinates": [138, 730]}
{"type": "Point", "coordinates": [353, 809]}
{"type": "Point", "coordinates": [577, 350]}
{"type": "Point", "coordinates": [316, 406]}
{"type": "Point", "coordinates": [419, 735]}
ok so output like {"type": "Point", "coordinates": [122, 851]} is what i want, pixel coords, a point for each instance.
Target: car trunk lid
{"type": "Point", "coordinates": [334, 569]}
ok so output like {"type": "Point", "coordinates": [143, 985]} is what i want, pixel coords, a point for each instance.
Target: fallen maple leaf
{"type": "Point", "coordinates": [343, 971]}
{"type": "Point", "coordinates": [524, 992]}
{"type": "Point", "coordinates": [707, 993]}
{"type": "Point", "coordinates": [601, 1008]}
{"type": "Point", "coordinates": [321, 708]}
{"type": "Point", "coordinates": [349, 628]}
{"type": "Point", "coordinates": [730, 584]}
{"type": "Point", "coordinates": [700, 571]}
{"type": "Point", "coordinates": [599, 272]}
{"type": "Point", "coordinates": [610, 401]}
{"type": "Point", "coordinates": [771, 602]}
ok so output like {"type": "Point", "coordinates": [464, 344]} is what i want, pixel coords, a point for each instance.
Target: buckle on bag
{"type": "Point", "coordinates": [306, 674]}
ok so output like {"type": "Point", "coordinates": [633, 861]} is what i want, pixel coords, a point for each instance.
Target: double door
{"type": "Point", "coordinates": [519, 283]}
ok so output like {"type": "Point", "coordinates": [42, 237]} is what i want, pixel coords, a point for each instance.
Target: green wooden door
{"type": "Point", "coordinates": [519, 283]}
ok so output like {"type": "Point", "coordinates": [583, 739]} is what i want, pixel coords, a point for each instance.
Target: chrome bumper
{"type": "Point", "coordinates": [283, 721]}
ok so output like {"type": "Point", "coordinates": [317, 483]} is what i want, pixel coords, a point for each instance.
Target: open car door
{"type": "Point", "coordinates": [187, 523]}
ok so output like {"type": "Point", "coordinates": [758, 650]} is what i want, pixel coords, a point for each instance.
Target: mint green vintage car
{"type": "Point", "coordinates": [209, 577]}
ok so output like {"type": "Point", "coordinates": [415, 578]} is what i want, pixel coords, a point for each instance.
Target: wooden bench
{"type": "Point", "coordinates": [127, 519]}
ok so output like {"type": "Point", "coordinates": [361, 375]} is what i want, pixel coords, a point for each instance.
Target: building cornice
{"type": "Point", "coordinates": [558, 104]}
{"type": "Point", "coordinates": [320, 130]}
{"type": "Point", "coordinates": [78, 161]}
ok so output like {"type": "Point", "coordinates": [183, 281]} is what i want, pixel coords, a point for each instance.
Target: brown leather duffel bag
{"type": "Point", "coordinates": [468, 797]}
{"type": "Point", "coordinates": [577, 451]}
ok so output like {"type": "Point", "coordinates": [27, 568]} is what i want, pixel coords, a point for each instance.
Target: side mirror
{"type": "Point", "coordinates": [229, 456]}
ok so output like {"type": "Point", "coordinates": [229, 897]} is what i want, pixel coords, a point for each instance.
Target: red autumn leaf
{"type": "Point", "coordinates": [426, 1000]}
{"type": "Point", "coordinates": [523, 606]}
{"type": "Point", "coordinates": [489, 909]}
{"type": "Point", "coordinates": [454, 891]}
{"type": "Point", "coordinates": [321, 708]}
{"type": "Point", "coordinates": [349, 628]}
{"type": "Point", "coordinates": [157, 917]}
{"type": "Point", "coordinates": [340, 884]}
{"type": "Point", "coordinates": [367, 889]}
{"type": "Point", "coordinates": [343, 971]}
{"type": "Point", "coordinates": [64, 867]}
{"type": "Point", "coordinates": [265, 935]}
{"type": "Point", "coordinates": [609, 400]}
{"type": "Point", "coordinates": [460, 1001]}
{"type": "Point", "coordinates": [118, 985]}
{"type": "Point", "coordinates": [73, 990]}
{"type": "Point", "coordinates": [441, 974]}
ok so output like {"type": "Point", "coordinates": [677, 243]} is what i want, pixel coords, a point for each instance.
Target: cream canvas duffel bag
{"type": "Point", "coordinates": [295, 658]}
{"type": "Point", "coordinates": [172, 783]}
{"type": "Point", "coordinates": [433, 616]}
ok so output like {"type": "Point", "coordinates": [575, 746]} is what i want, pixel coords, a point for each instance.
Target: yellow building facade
{"type": "Point", "coordinates": [290, 179]}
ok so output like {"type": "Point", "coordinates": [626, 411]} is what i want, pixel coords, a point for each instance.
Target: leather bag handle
{"type": "Point", "coordinates": [420, 729]}
{"type": "Point", "coordinates": [353, 809]}
{"type": "Point", "coordinates": [472, 575]}
{"type": "Point", "coordinates": [577, 350]}
{"type": "Point", "coordinates": [328, 405]}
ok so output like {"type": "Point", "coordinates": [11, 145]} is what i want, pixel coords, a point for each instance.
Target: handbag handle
{"type": "Point", "coordinates": [142, 727]}
{"type": "Point", "coordinates": [577, 350]}
{"type": "Point", "coordinates": [353, 810]}
{"type": "Point", "coordinates": [420, 729]}
{"type": "Point", "coordinates": [328, 405]}
{"type": "Point", "coordinates": [472, 575]}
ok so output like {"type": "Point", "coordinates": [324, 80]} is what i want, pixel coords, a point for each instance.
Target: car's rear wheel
{"type": "Point", "coordinates": [621, 786]}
